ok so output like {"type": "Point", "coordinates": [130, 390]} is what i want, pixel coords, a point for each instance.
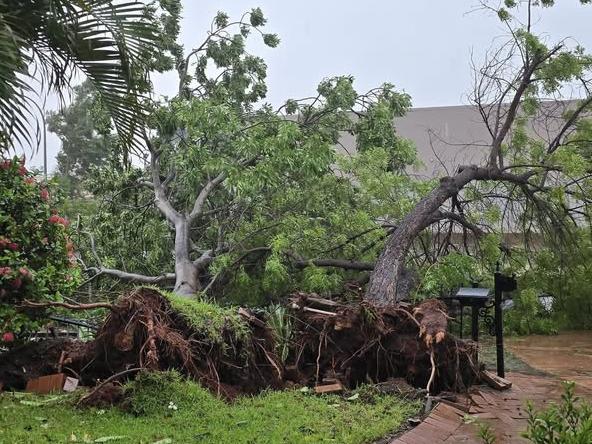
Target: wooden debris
{"type": "Point", "coordinates": [464, 407]}
{"type": "Point", "coordinates": [52, 383]}
{"type": "Point", "coordinates": [313, 310]}
{"type": "Point", "coordinates": [329, 388]}
{"type": "Point", "coordinates": [495, 381]}
{"type": "Point", "coordinates": [250, 317]}
{"type": "Point", "coordinates": [322, 303]}
{"type": "Point", "coordinates": [46, 384]}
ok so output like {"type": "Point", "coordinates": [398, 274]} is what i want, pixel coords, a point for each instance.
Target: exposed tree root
{"type": "Point", "coordinates": [145, 331]}
{"type": "Point", "coordinates": [352, 343]}
{"type": "Point", "coordinates": [362, 343]}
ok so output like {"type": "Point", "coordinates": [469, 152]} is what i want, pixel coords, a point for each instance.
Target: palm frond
{"type": "Point", "coordinates": [104, 39]}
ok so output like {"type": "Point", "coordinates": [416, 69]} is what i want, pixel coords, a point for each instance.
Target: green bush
{"type": "Point", "coordinates": [36, 255]}
{"type": "Point", "coordinates": [528, 315]}
{"type": "Point", "coordinates": [570, 422]}
{"type": "Point", "coordinates": [154, 393]}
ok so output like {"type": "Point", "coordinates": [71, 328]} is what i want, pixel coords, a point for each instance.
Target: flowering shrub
{"type": "Point", "coordinates": [36, 256]}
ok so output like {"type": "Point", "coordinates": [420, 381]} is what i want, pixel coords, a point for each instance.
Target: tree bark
{"type": "Point", "coordinates": [382, 288]}
{"type": "Point", "coordinates": [186, 272]}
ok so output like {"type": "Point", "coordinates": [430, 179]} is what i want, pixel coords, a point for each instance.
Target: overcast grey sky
{"type": "Point", "coordinates": [421, 46]}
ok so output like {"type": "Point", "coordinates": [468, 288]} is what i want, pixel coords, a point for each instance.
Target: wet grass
{"type": "Point", "coordinates": [178, 411]}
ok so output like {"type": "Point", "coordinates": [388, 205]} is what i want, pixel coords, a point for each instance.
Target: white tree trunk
{"type": "Point", "coordinates": [186, 272]}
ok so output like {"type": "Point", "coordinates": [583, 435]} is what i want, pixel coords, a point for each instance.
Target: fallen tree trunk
{"type": "Point", "coordinates": [382, 288]}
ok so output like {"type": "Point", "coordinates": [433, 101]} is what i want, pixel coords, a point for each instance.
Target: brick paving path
{"type": "Point", "coordinates": [503, 411]}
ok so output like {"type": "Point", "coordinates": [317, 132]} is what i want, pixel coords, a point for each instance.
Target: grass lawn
{"type": "Point", "coordinates": [163, 409]}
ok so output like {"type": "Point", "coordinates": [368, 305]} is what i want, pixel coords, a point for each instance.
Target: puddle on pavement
{"type": "Point", "coordinates": [567, 355]}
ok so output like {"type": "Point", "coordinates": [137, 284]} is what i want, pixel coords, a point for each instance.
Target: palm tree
{"type": "Point", "coordinates": [44, 43]}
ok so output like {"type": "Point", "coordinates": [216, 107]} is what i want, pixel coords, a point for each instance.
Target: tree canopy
{"type": "Point", "coordinates": [241, 200]}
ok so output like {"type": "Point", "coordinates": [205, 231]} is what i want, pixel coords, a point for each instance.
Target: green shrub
{"type": "Point", "coordinates": [158, 393]}
{"type": "Point", "coordinates": [36, 256]}
{"type": "Point", "coordinates": [528, 316]}
{"type": "Point", "coordinates": [565, 273]}
{"type": "Point", "coordinates": [570, 422]}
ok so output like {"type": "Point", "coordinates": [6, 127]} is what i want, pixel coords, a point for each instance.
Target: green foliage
{"type": "Point", "coordinates": [210, 318]}
{"type": "Point", "coordinates": [528, 316]}
{"type": "Point", "coordinates": [486, 433]}
{"type": "Point", "coordinates": [164, 406]}
{"type": "Point", "coordinates": [51, 41]}
{"type": "Point", "coordinates": [561, 271]}
{"type": "Point", "coordinates": [280, 322]}
{"type": "Point", "coordinates": [451, 271]}
{"type": "Point", "coordinates": [83, 147]}
{"type": "Point", "coordinates": [281, 201]}
{"type": "Point", "coordinates": [36, 256]}
{"type": "Point", "coordinates": [570, 422]}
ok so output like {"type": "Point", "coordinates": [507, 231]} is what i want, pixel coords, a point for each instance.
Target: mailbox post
{"type": "Point", "coordinates": [501, 283]}
{"type": "Point", "coordinates": [479, 299]}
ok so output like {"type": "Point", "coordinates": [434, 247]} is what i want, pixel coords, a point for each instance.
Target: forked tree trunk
{"type": "Point", "coordinates": [382, 288]}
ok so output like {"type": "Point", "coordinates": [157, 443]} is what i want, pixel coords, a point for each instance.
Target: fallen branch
{"type": "Point", "coordinates": [131, 277]}
{"type": "Point", "coordinates": [314, 310]}
{"type": "Point", "coordinates": [30, 304]}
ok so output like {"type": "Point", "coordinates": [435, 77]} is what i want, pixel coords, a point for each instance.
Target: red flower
{"type": "Point", "coordinates": [22, 170]}
{"type": "Point", "coordinates": [16, 283]}
{"type": "Point", "coordinates": [5, 270]}
{"type": "Point", "coordinates": [13, 246]}
{"type": "Point", "coordinates": [29, 180]}
{"type": "Point", "coordinates": [55, 219]}
{"type": "Point", "coordinates": [8, 336]}
{"type": "Point", "coordinates": [25, 272]}
{"type": "Point", "coordinates": [6, 164]}
{"type": "Point", "coordinates": [44, 194]}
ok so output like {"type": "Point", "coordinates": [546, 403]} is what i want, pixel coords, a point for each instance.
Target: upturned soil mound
{"type": "Point", "coordinates": [234, 351]}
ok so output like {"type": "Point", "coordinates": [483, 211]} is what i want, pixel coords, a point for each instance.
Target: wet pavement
{"type": "Point", "coordinates": [547, 360]}
{"type": "Point", "coordinates": [567, 355]}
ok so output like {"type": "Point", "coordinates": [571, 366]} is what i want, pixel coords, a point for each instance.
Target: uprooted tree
{"type": "Point", "coordinates": [536, 167]}
{"type": "Point", "coordinates": [252, 199]}
{"type": "Point", "coordinates": [230, 187]}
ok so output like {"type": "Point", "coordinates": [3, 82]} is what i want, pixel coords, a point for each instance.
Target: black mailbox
{"type": "Point", "coordinates": [476, 298]}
